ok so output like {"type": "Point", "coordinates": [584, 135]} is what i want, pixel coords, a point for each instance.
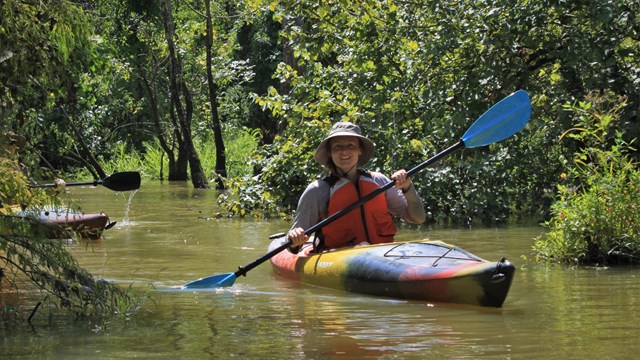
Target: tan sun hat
{"type": "Point", "coordinates": [345, 129]}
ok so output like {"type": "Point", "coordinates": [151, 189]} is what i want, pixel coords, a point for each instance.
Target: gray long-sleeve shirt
{"type": "Point", "coordinates": [312, 205]}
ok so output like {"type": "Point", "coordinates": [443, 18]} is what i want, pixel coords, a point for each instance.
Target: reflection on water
{"type": "Point", "coordinates": [166, 236]}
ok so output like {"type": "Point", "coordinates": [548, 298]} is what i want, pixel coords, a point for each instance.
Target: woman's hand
{"type": "Point", "coordinates": [403, 182]}
{"type": "Point", "coordinates": [297, 237]}
{"type": "Point", "coordinates": [60, 184]}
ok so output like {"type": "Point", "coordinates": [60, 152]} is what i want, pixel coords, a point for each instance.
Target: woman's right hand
{"type": "Point", "coordinates": [297, 237]}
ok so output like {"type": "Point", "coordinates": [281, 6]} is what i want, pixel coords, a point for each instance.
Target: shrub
{"type": "Point", "coordinates": [596, 216]}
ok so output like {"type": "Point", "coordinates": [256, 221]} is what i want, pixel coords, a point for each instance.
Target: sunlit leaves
{"type": "Point", "coordinates": [382, 64]}
{"type": "Point", "coordinates": [41, 43]}
{"type": "Point", "coordinates": [385, 63]}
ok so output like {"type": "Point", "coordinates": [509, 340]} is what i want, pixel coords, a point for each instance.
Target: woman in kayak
{"type": "Point", "coordinates": [343, 152]}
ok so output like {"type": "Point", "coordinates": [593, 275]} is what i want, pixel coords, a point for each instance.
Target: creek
{"type": "Point", "coordinates": [167, 235]}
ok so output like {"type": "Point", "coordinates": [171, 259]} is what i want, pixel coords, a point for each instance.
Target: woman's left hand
{"type": "Point", "coordinates": [402, 180]}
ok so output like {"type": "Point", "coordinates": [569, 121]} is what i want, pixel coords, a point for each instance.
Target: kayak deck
{"type": "Point", "coordinates": [417, 270]}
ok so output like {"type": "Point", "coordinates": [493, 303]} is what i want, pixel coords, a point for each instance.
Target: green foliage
{"type": "Point", "coordinates": [596, 216]}
{"type": "Point", "coordinates": [40, 43]}
{"type": "Point", "coordinates": [414, 75]}
{"type": "Point", "coordinates": [248, 197]}
{"type": "Point", "coordinates": [240, 146]}
{"type": "Point", "coordinates": [287, 166]}
{"type": "Point", "coordinates": [469, 192]}
{"type": "Point", "coordinates": [123, 160]}
{"type": "Point", "coordinates": [12, 190]}
{"type": "Point", "coordinates": [380, 67]}
{"type": "Point", "coordinates": [247, 194]}
{"type": "Point", "coordinates": [44, 47]}
{"type": "Point", "coordinates": [155, 162]}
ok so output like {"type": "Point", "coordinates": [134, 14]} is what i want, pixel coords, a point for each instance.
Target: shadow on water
{"type": "Point", "coordinates": [167, 235]}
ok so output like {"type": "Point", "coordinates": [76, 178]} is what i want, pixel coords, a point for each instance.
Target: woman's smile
{"type": "Point", "coordinates": [345, 151]}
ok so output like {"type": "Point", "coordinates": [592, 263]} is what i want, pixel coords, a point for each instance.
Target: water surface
{"type": "Point", "coordinates": [169, 236]}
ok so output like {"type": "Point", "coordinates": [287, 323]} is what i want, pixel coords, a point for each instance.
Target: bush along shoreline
{"type": "Point", "coordinates": [596, 214]}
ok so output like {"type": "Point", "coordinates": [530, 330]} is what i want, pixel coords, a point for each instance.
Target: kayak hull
{"type": "Point", "coordinates": [64, 223]}
{"type": "Point", "coordinates": [418, 270]}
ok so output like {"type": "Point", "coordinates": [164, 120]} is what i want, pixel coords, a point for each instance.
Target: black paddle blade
{"type": "Point", "coordinates": [122, 181]}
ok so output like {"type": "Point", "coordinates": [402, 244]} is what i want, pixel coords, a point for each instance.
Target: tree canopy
{"type": "Point", "coordinates": [173, 88]}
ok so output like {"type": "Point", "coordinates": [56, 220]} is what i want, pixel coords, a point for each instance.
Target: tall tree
{"type": "Point", "coordinates": [221, 157]}
{"type": "Point", "coordinates": [181, 113]}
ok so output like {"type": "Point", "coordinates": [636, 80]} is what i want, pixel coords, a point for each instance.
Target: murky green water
{"type": "Point", "coordinates": [168, 238]}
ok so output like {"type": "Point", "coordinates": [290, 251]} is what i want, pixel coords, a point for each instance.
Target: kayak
{"type": "Point", "coordinates": [63, 223]}
{"type": "Point", "coordinates": [60, 223]}
{"type": "Point", "coordinates": [424, 270]}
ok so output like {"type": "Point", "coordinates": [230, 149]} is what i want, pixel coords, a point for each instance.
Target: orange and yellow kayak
{"type": "Point", "coordinates": [425, 270]}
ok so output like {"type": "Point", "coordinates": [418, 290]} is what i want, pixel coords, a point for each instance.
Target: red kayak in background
{"type": "Point", "coordinates": [64, 223]}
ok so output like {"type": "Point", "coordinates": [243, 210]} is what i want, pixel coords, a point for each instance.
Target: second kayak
{"type": "Point", "coordinates": [64, 223]}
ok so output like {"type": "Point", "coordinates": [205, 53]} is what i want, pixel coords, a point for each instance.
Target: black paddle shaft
{"type": "Point", "coordinates": [122, 181]}
{"type": "Point", "coordinates": [242, 270]}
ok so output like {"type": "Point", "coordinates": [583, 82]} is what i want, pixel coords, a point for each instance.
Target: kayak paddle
{"type": "Point", "coordinates": [501, 121]}
{"type": "Point", "coordinates": [121, 181]}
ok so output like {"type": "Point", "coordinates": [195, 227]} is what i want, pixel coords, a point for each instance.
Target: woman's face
{"type": "Point", "coordinates": [345, 152]}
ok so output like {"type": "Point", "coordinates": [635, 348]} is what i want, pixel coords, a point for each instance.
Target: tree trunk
{"type": "Point", "coordinates": [186, 149]}
{"type": "Point", "coordinates": [84, 152]}
{"type": "Point", "coordinates": [221, 157]}
{"type": "Point", "coordinates": [198, 178]}
{"type": "Point", "coordinates": [155, 117]}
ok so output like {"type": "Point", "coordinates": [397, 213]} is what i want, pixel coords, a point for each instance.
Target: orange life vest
{"type": "Point", "coordinates": [370, 222]}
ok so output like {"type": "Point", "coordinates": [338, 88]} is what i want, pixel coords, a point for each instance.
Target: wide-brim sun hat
{"type": "Point", "coordinates": [345, 129]}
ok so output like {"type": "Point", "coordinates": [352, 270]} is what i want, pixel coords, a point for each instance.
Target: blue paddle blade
{"type": "Point", "coordinates": [222, 280]}
{"type": "Point", "coordinates": [501, 121]}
